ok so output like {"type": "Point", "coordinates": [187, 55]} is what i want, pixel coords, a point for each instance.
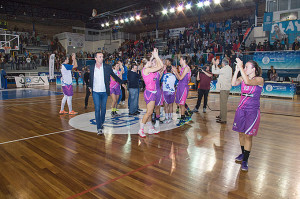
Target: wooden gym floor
{"type": "Point", "coordinates": [41, 156]}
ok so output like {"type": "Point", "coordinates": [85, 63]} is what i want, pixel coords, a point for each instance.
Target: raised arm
{"type": "Point", "coordinates": [251, 82]}
{"type": "Point", "coordinates": [159, 63]}
{"type": "Point", "coordinates": [75, 65]}
{"type": "Point", "coordinates": [236, 81]}
{"type": "Point", "coordinates": [215, 69]}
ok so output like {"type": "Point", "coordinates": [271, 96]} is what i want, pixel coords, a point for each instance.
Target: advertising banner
{"type": "Point", "coordinates": [285, 29]}
{"type": "Point", "coordinates": [280, 60]}
{"type": "Point", "coordinates": [268, 19]}
{"type": "Point", "coordinates": [58, 80]}
{"type": "Point", "coordinates": [51, 66]}
{"type": "Point", "coordinates": [31, 81]}
{"type": "Point", "coordinates": [275, 89]}
{"type": "Point", "coordinates": [176, 31]}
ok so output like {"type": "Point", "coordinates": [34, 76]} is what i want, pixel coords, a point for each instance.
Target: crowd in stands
{"type": "Point", "coordinates": [267, 46]}
{"type": "Point", "coordinates": [201, 37]}
{"type": "Point", "coordinates": [25, 60]}
{"type": "Point", "coordinates": [200, 42]}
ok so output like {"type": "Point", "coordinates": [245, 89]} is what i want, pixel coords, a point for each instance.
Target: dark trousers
{"type": "Point", "coordinates": [87, 95]}
{"type": "Point", "coordinates": [123, 91]}
{"type": "Point", "coordinates": [202, 92]}
{"type": "Point", "coordinates": [100, 100]}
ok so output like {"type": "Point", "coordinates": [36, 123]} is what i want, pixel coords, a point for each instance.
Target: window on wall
{"type": "Point", "coordinates": [272, 4]}
{"type": "Point", "coordinates": [295, 4]}
{"type": "Point", "coordinates": [283, 5]}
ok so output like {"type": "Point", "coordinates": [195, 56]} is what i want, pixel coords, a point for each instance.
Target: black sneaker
{"type": "Point", "coordinates": [132, 114]}
{"type": "Point", "coordinates": [140, 110]}
{"type": "Point", "coordinates": [100, 132]}
{"type": "Point", "coordinates": [195, 110]}
{"type": "Point", "coordinates": [113, 114]}
{"type": "Point", "coordinates": [137, 113]}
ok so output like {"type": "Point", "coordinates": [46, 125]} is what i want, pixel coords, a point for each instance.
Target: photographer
{"type": "Point", "coordinates": [205, 77]}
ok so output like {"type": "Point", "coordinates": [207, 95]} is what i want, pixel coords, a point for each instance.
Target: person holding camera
{"type": "Point", "coordinates": [204, 77]}
{"type": "Point", "coordinates": [223, 85]}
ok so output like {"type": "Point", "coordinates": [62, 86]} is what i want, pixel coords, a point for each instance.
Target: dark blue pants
{"type": "Point", "coordinates": [100, 99]}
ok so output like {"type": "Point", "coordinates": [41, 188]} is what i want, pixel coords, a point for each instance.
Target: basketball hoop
{"type": "Point", "coordinates": [7, 49]}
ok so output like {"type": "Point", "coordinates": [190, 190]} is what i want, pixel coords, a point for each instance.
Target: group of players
{"type": "Point", "coordinates": [160, 81]}
{"type": "Point", "coordinates": [154, 71]}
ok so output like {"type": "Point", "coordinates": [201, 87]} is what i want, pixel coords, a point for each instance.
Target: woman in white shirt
{"type": "Point", "coordinates": [66, 82]}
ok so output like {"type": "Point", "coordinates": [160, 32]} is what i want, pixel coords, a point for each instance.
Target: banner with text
{"type": "Point", "coordinates": [285, 29]}
{"type": "Point", "coordinates": [176, 31]}
{"type": "Point", "coordinates": [268, 19]}
{"type": "Point", "coordinates": [274, 89]}
{"type": "Point", "coordinates": [51, 66]}
{"type": "Point", "coordinates": [280, 60]}
{"type": "Point", "coordinates": [31, 81]}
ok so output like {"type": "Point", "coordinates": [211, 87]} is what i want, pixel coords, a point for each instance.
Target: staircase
{"type": "Point", "coordinates": [160, 44]}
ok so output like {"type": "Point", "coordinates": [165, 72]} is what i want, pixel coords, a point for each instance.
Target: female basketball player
{"type": "Point", "coordinates": [152, 82]}
{"type": "Point", "coordinates": [169, 82]}
{"type": "Point", "coordinates": [115, 88]}
{"type": "Point", "coordinates": [247, 116]}
{"type": "Point", "coordinates": [66, 82]}
{"type": "Point", "coordinates": [182, 88]}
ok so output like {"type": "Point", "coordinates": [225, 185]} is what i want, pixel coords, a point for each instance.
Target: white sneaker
{"type": "Point", "coordinates": [165, 121]}
{"type": "Point", "coordinates": [156, 125]}
{"type": "Point", "coordinates": [141, 133]}
{"type": "Point", "coordinates": [153, 131]}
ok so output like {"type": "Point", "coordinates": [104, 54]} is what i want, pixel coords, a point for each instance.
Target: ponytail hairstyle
{"type": "Point", "coordinates": [169, 69]}
{"type": "Point", "coordinates": [258, 70]}
{"type": "Point", "coordinates": [185, 58]}
{"type": "Point", "coordinates": [170, 60]}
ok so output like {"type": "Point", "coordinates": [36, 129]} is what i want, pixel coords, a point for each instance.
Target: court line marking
{"type": "Point", "coordinates": [37, 136]}
{"type": "Point", "coordinates": [38, 101]}
{"type": "Point", "coordinates": [115, 179]}
{"type": "Point", "coordinates": [127, 174]}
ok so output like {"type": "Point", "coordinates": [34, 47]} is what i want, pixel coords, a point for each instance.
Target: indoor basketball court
{"type": "Point", "coordinates": [44, 155]}
{"type": "Point", "coordinates": [147, 65]}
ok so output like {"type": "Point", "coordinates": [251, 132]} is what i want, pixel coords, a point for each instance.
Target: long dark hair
{"type": "Point", "coordinates": [255, 65]}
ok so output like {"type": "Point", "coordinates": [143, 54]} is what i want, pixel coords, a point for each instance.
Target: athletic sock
{"type": "Point", "coordinates": [149, 124]}
{"type": "Point", "coordinates": [246, 155]}
{"type": "Point", "coordinates": [69, 101]}
{"type": "Point", "coordinates": [142, 125]}
{"type": "Point", "coordinates": [187, 107]}
{"type": "Point", "coordinates": [243, 149]}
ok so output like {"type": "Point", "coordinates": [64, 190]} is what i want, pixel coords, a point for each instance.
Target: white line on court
{"type": "Point", "coordinates": [18, 140]}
